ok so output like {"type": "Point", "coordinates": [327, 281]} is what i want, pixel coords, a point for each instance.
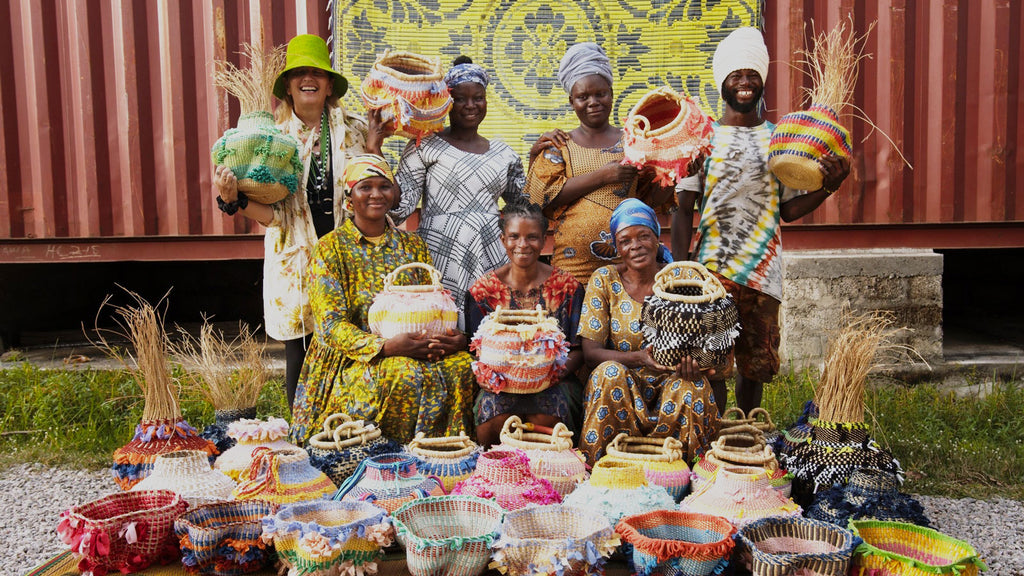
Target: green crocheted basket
{"type": "Point", "coordinates": [265, 161]}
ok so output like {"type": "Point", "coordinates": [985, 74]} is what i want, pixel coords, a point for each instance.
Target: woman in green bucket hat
{"type": "Point", "coordinates": [328, 135]}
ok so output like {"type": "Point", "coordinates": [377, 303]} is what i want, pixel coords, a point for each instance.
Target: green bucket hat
{"type": "Point", "coordinates": [309, 50]}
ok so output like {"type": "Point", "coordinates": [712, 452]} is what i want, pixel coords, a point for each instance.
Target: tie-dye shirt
{"type": "Point", "coordinates": [739, 235]}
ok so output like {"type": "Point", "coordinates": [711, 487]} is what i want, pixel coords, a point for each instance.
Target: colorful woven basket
{"type": "Point", "coordinates": [673, 543]}
{"type": "Point", "coordinates": [506, 477]}
{"type": "Point", "coordinates": [689, 314]}
{"type": "Point", "coordinates": [410, 91]}
{"type": "Point", "coordinates": [617, 489]}
{"type": "Point", "coordinates": [520, 351]}
{"type": "Point", "coordinates": [282, 477]}
{"type": "Point", "coordinates": [549, 450]}
{"type": "Point", "coordinates": [218, 431]}
{"type": "Point", "coordinates": [449, 535]}
{"type": "Point", "coordinates": [223, 539]}
{"type": "Point", "coordinates": [328, 538]}
{"type": "Point", "coordinates": [783, 546]}
{"type": "Point", "coordinates": [134, 460]}
{"type": "Point", "coordinates": [344, 444]}
{"type": "Point", "coordinates": [870, 494]}
{"type": "Point", "coordinates": [661, 459]}
{"type": "Point", "coordinates": [265, 160]}
{"type": "Point", "coordinates": [412, 309]}
{"type": "Point", "coordinates": [666, 131]}
{"type": "Point", "coordinates": [898, 549]}
{"type": "Point", "coordinates": [553, 539]}
{"type": "Point", "coordinates": [450, 458]}
{"type": "Point", "coordinates": [250, 434]}
{"type": "Point", "coordinates": [126, 532]}
{"type": "Point", "coordinates": [388, 480]}
{"type": "Point", "coordinates": [741, 445]}
{"type": "Point", "coordinates": [800, 139]}
{"type": "Point", "coordinates": [798, 433]}
{"type": "Point", "coordinates": [188, 473]}
{"type": "Point", "coordinates": [740, 494]}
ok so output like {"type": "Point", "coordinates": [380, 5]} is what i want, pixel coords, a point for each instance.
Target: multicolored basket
{"type": "Point", "coordinates": [188, 473]}
{"type": "Point", "coordinates": [218, 431]}
{"type": "Point", "coordinates": [870, 494]}
{"type": "Point", "coordinates": [798, 433]}
{"type": "Point", "coordinates": [667, 131]}
{"type": "Point", "coordinates": [673, 543]}
{"type": "Point", "coordinates": [282, 477]}
{"type": "Point", "coordinates": [126, 532]}
{"type": "Point", "coordinates": [388, 480]}
{"type": "Point", "coordinates": [506, 477]}
{"type": "Point", "coordinates": [741, 445]}
{"type": "Point", "coordinates": [450, 535]}
{"type": "Point", "coordinates": [800, 139]}
{"type": "Point", "coordinates": [689, 314]}
{"type": "Point", "coordinates": [520, 351]}
{"type": "Point", "coordinates": [410, 91]}
{"type": "Point", "coordinates": [328, 538]}
{"type": "Point", "coordinates": [617, 489]}
{"type": "Point", "coordinates": [661, 459]}
{"type": "Point", "coordinates": [549, 450]}
{"type": "Point", "coordinates": [223, 539]}
{"type": "Point", "coordinates": [898, 549]}
{"type": "Point", "coordinates": [134, 460]}
{"type": "Point", "coordinates": [553, 539]}
{"type": "Point", "coordinates": [250, 434]}
{"type": "Point", "coordinates": [344, 444]}
{"type": "Point", "coordinates": [740, 494]}
{"type": "Point", "coordinates": [265, 160]}
{"type": "Point", "coordinates": [450, 458]}
{"type": "Point", "coordinates": [412, 309]}
{"type": "Point", "coordinates": [783, 546]}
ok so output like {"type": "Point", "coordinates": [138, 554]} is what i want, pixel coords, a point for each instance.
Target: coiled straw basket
{"type": "Point", "coordinates": [412, 309]}
{"type": "Point", "coordinates": [449, 535]}
{"type": "Point", "coordinates": [520, 351]}
{"type": "Point", "coordinates": [343, 444]}
{"type": "Point", "coordinates": [742, 445]}
{"type": "Point", "coordinates": [410, 90]}
{"type": "Point", "coordinates": [450, 458]}
{"type": "Point", "coordinates": [666, 131]}
{"type": "Point", "coordinates": [673, 543]}
{"type": "Point", "coordinates": [898, 549]}
{"type": "Point", "coordinates": [782, 546]}
{"type": "Point", "coordinates": [661, 459]}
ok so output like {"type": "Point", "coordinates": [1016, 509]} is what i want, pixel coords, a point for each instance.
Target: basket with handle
{"type": "Point", "coordinates": [282, 476]}
{"type": "Point", "coordinates": [450, 458]}
{"type": "Point", "coordinates": [505, 476]}
{"type": "Point", "coordinates": [675, 543]}
{"type": "Point", "coordinates": [743, 445]}
{"type": "Point", "coordinates": [410, 91]}
{"type": "Point", "coordinates": [520, 351]}
{"type": "Point", "coordinates": [223, 539]}
{"type": "Point", "coordinates": [779, 546]}
{"type": "Point", "coordinates": [667, 131]}
{"type": "Point", "coordinates": [901, 549]}
{"type": "Point", "coordinates": [740, 494]}
{"type": "Point", "coordinates": [450, 535]}
{"type": "Point", "coordinates": [343, 444]}
{"type": "Point", "coordinates": [617, 489]}
{"type": "Point", "coordinates": [413, 309]}
{"type": "Point", "coordinates": [661, 458]}
{"type": "Point", "coordinates": [689, 314]}
{"type": "Point", "coordinates": [549, 450]}
{"type": "Point", "coordinates": [388, 481]}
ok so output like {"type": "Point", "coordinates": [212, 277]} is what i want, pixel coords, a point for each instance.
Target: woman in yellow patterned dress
{"type": "Point", "coordinates": [628, 391]}
{"type": "Point", "coordinates": [406, 384]}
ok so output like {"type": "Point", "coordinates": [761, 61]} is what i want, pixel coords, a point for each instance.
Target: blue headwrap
{"type": "Point", "coordinates": [468, 72]}
{"type": "Point", "coordinates": [633, 212]}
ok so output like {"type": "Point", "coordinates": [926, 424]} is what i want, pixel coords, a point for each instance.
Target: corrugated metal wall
{"type": "Point", "coordinates": [108, 116]}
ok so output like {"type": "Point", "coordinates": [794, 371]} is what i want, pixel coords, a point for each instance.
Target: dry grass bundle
{"type": "Point", "coordinates": [229, 374]}
{"type": "Point", "coordinates": [253, 85]}
{"type": "Point", "coordinates": [833, 64]}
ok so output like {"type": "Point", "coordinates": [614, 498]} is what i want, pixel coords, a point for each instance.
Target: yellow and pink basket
{"type": "Point", "coordinates": [410, 91]}
{"type": "Point", "coordinates": [800, 139]}
{"type": "Point", "coordinates": [901, 549]}
{"type": "Point", "coordinates": [414, 308]}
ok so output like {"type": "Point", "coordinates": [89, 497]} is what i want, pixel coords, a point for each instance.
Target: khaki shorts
{"type": "Point", "coordinates": [756, 351]}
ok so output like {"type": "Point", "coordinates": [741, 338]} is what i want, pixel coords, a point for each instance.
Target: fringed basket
{"type": "Point", "coordinates": [870, 494]}
{"type": "Point", "coordinates": [798, 433]}
{"type": "Point", "coordinates": [327, 538]}
{"type": "Point", "coordinates": [410, 91]}
{"type": "Point", "coordinates": [506, 477]}
{"type": "Point", "coordinates": [134, 461]}
{"type": "Point", "coordinates": [898, 549]}
{"type": "Point", "coordinates": [666, 131]}
{"type": "Point", "coordinates": [672, 543]}
{"type": "Point", "coordinates": [800, 139]}
{"type": "Point", "coordinates": [549, 450]}
{"type": "Point", "coordinates": [741, 495]}
{"type": "Point", "coordinates": [388, 481]}
{"type": "Point", "coordinates": [412, 309]}
{"type": "Point", "coordinates": [661, 459]}
{"type": "Point", "coordinates": [617, 489]}
{"type": "Point", "coordinates": [265, 160]}
{"type": "Point", "coordinates": [188, 473]}
{"type": "Point", "coordinates": [282, 477]}
{"type": "Point", "coordinates": [783, 546]}
{"type": "Point", "coordinates": [343, 444]}
{"type": "Point", "coordinates": [126, 532]}
{"type": "Point", "coordinates": [450, 458]}
{"type": "Point", "coordinates": [223, 539]}
{"type": "Point", "coordinates": [689, 314]}
{"type": "Point", "coordinates": [520, 351]}
{"type": "Point", "coordinates": [554, 540]}
{"type": "Point", "coordinates": [449, 535]}
{"type": "Point", "coordinates": [250, 434]}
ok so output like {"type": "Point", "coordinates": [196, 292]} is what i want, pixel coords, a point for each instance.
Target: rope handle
{"type": "Point", "coordinates": [427, 67]}
{"type": "Point", "coordinates": [764, 425]}
{"type": "Point", "coordinates": [666, 449]}
{"type": "Point", "coordinates": [694, 275]}
{"type": "Point", "coordinates": [451, 446]}
{"type": "Point", "coordinates": [435, 278]}
{"type": "Point", "coordinates": [735, 442]}
{"type": "Point", "coordinates": [347, 434]}
{"type": "Point", "coordinates": [640, 125]}
{"type": "Point", "coordinates": [510, 316]}
{"type": "Point", "coordinates": [764, 459]}
{"type": "Point", "coordinates": [737, 414]}
{"type": "Point", "coordinates": [529, 436]}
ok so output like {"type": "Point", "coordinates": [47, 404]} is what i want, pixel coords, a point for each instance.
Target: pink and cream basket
{"type": "Point", "coordinates": [412, 309]}
{"type": "Point", "coordinates": [520, 351]}
{"type": "Point", "coordinates": [666, 131]}
{"type": "Point", "coordinates": [549, 450]}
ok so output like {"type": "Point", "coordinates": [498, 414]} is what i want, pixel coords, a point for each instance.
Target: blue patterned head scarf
{"type": "Point", "coordinates": [582, 60]}
{"type": "Point", "coordinates": [633, 212]}
{"type": "Point", "coordinates": [467, 72]}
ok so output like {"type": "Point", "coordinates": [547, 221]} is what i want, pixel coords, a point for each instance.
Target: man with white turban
{"type": "Point", "coordinates": [741, 206]}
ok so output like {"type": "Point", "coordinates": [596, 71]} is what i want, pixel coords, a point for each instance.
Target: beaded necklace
{"type": "Point", "coordinates": [319, 168]}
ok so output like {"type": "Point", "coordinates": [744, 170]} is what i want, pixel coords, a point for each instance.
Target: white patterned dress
{"type": "Point", "coordinates": [459, 218]}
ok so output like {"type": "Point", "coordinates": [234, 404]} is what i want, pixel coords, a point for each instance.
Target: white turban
{"type": "Point", "coordinates": [744, 49]}
{"type": "Point", "coordinates": [581, 60]}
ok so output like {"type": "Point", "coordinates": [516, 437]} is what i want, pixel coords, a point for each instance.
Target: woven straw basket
{"type": "Point", "coordinates": [673, 543]}
{"type": "Point", "coordinates": [520, 351]}
{"type": "Point", "coordinates": [800, 139]}
{"type": "Point", "coordinates": [223, 539]}
{"type": "Point", "coordinates": [450, 535]}
{"type": "Point", "coordinates": [740, 494]}
{"type": "Point", "coordinates": [619, 489]}
{"type": "Point", "coordinates": [282, 477]}
{"type": "Point", "coordinates": [872, 494]}
{"type": "Point", "coordinates": [689, 314]}
{"type": "Point", "coordinates": [412, 309]}
{"type": "Point", "coordinates": [188, 473]}
{"type": "Point", "coordinates": [265, 160]}
{"type": "Point", "coordinates": [450, 458]}
{"type": "Point", "coordinates": [898, 549]}
{"type": "Point", "coordinates": [249, 435]}
{"type": "Point", "coordinates": [388, 480]}
{"type": "Point", "coordinates": [661, 459]}
{"type": "Point", "coordinates": [411, 92]}
{"type": "Point", "coordinates": [666, 131]}
{"type": "Point", "coordinates": [783, 546]}
{"type": "Point", "coordinates": [343, 444]}
{"type": "Point", "coordinates": [549, 450]}
{"type": "Point", "coordinates": [758, 418]}
{"type": "Point", "coordinates": [553, 539]}
{"type": "Point", "coordinates": [134, 460]}
{"type": "Point", "coordinates": [742, 445]}
{"type": "Point", "coordinates": [506, 477]}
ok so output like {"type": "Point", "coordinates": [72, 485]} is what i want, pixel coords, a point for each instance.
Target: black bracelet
{"type": "Point", "coordinates": [228, 208]}
{"type": "Point", "coordinates": [243, 201]}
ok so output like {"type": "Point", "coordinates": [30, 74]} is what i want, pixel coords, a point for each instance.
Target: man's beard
{"type": "Point", "coordinates": [746, 108]}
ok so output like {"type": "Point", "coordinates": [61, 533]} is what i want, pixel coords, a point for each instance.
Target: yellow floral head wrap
{"type": "Point", "coordinates": [366, 166]}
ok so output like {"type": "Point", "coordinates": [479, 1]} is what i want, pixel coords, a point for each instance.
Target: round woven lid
{"type": "Point", "coordinates": [188, 473]}
{"type": "Point", "coordinates": [740, 494]}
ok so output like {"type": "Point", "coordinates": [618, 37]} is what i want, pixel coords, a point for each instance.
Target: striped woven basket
{"type": "Point", "coordinates": [450, 458]}
{"type": "Point", "coordinates": [188, 473]}
{"type": "Point", "coordinates": [553, 539]}
{"type": "Point", "coordinates": [134, 461]}
{"type": "Point", "coordinates": [223, 539]}
{"type": "Point", "coordinates": [783, 546]}
{"type": "Point", "coordinates": [758, 418]}
{"type": "Point", "coordinates": [549, 450]}
{"type": "Point", "coordinates": [740, 494]}
{"type": "Point", "coordinates": [265, 160]}
{"type": "Point", "coordinates": [673, 543]}
{"type": "Point", "coordinates": [800, 139]}
{"type": "Point", "coordinates": [343, 444]}
{"type": "Point", "coordinates": [250, 434]}
{"type": "Point", "coordinates": [520, 351]}
{"type": "Point", "coordinates": [618, 489]}
{"type": "Point", "coordinates": [661, 459]}
{"type": "Point", "coordinates": [506, 477]}
{"type": "Point", "coordinates": [412, 309]}
{"type": "Point", "coordinates": [741, 445]}
{"type": "Point", "coordinates": [282, 477]}
{"type": "Point", "coordinates": [450, 535]}
{"type": "Point", "coordinates": [388, 480]}
{"type": "Point", "coordinates": [666, 131]}
{"type": "Point", "coordinates": [410, 91]}
{"type": "Point", "coordinates": [899, 549]}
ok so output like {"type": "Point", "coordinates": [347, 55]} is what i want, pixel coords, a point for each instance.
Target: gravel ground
{"type": "Point", "coordinates": [34, 497]}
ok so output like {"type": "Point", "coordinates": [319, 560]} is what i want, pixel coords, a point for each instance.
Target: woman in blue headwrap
{"type": "Point", "coordinates": [628, 391]}
{"type": "Point", "coordinates": [459, 175]}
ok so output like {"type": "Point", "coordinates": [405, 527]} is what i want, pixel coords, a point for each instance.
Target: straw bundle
{"type": "Point", "coordinates": [832, 64]}
{"type": "Point", "coordinates": [253, 85]}
{"type": "Point", "coordinates": [228, 373]}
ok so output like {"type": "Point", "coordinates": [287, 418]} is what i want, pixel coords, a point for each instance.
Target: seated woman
{"type": "Point", "coordinates": [524, 283]}
{"type": "Point", "coordinates": [628, 391]}
{"type": "Point", "coordinates": [407, 384]}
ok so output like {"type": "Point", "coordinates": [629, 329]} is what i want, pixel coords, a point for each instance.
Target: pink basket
{"type": "Point", "coordinates": [549, 450]}
{"type": "Point", "coordinates": [506, 477]}
{"type": "Point", "coordinates": [520, 351]}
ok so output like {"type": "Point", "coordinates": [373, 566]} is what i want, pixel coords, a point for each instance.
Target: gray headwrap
{"type": "Point", "coordinates": [582, 60]}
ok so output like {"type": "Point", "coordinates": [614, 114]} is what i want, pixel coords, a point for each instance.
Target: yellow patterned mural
{"type": "Point", "coordinates": [520, 42]}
